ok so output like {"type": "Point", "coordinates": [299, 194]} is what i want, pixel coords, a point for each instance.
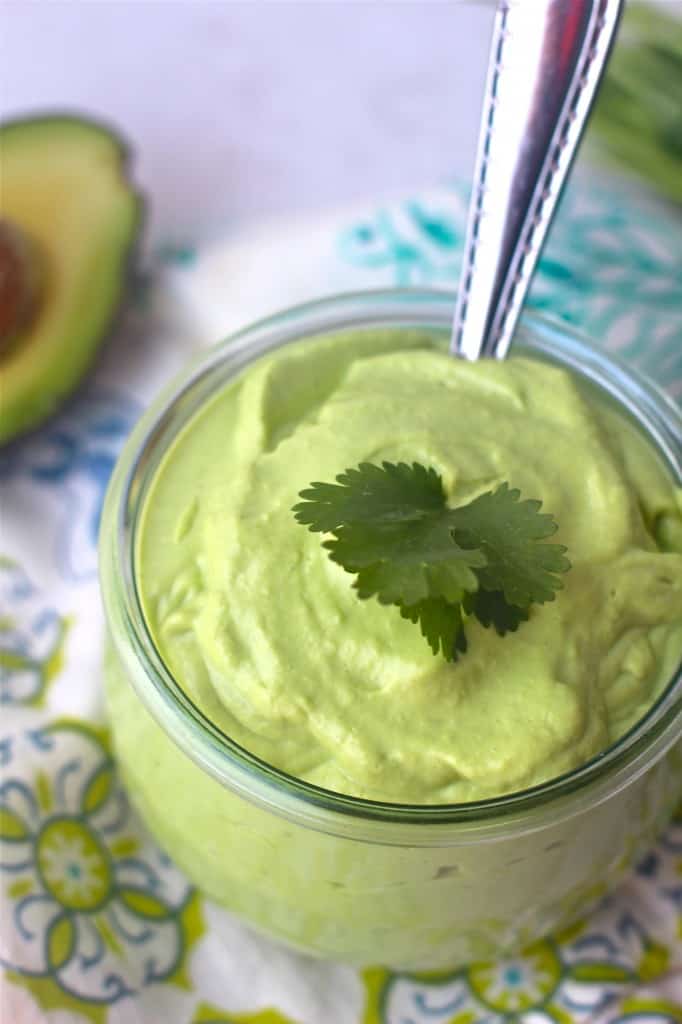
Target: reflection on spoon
{"type": "Point", "coordinates": [546, 60]}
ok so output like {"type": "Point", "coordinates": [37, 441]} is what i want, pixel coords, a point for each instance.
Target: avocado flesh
{"type": "Point", "coordinates": [62, 181]}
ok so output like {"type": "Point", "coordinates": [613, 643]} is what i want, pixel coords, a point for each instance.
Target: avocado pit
{"type": "Point", "coordinates": [20, 282]}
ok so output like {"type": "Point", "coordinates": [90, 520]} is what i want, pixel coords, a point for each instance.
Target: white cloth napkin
{"type": "Point", "coordinates": [97, 924]}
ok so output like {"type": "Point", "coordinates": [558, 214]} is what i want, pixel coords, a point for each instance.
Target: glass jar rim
{"type": "Point", "coordinates": [214, 751]}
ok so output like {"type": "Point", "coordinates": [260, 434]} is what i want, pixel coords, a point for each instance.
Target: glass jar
{"type": "Point", "coordinates": [412, 887]}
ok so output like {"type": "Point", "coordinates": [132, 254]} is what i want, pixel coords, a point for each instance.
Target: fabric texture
{"type": "Point", "coordinates": [97, 924]}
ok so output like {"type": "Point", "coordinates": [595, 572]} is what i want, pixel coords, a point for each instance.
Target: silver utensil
{"type": "Point", "coordinates": [546, 60]}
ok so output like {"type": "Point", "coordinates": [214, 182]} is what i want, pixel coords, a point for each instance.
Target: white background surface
{"type": "Point", "coordinates": [241, 110]}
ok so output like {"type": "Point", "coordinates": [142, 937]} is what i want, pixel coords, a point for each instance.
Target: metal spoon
{"type": "Point", "coordinates": [546, 60]}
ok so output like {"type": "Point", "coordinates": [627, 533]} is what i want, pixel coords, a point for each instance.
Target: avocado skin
{"type": "Point", "coordinates": [24, 408]}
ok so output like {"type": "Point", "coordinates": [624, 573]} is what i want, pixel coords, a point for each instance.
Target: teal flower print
{"type": "Point", "coordinates": [97, 912]}
{"type": "Point", "coordinates": [32, 636]}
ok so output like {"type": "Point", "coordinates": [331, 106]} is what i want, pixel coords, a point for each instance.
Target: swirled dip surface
{"type": "Point", "coordinates": [269, 639]}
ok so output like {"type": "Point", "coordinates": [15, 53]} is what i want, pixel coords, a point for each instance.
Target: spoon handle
{"type": "Point", "coordinates": [546, 60]}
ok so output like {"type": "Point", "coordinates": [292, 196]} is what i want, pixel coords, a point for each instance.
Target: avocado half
{"type": "Point", "coordinates": [69, 218]}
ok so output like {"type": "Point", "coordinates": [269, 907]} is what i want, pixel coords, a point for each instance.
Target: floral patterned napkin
{"type": "Point", "coordinates": [96, 923]}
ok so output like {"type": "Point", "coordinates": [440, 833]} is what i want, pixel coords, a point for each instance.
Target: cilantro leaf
{"type": "Point", "coordinates": [491, 608]}
{"type": "Point", "coordinates": [391, 526]}
{"type": "Point", "coordinates": [371, 494]}
{"type": "Point", "coordinates": [441, 625]}
{"type": "Point", "coordinates": [403, 563]}
{"type": "Point", "coordinates": [507, 531]}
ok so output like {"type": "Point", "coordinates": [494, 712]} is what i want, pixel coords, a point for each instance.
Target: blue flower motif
{"type": "Point", "coordinates": [177, 254]}
{"type": "Point", "coordinates": [648, 867]}
{"type": "Point", "coordinates": [73, 457]}
{"type": "Point", "coordinates": [413, 243]}
{"type": "Point", "coordinates": [93, 907]}
{"type": "Point", "coordinates": [32, 638]}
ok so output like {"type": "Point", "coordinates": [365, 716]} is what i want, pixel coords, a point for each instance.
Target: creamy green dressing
{"type": "Point", "coordinates": [266, 635]}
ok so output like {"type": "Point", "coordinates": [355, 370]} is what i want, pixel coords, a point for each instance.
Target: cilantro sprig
{"type": "Point", "coordinates": [391, 526]}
